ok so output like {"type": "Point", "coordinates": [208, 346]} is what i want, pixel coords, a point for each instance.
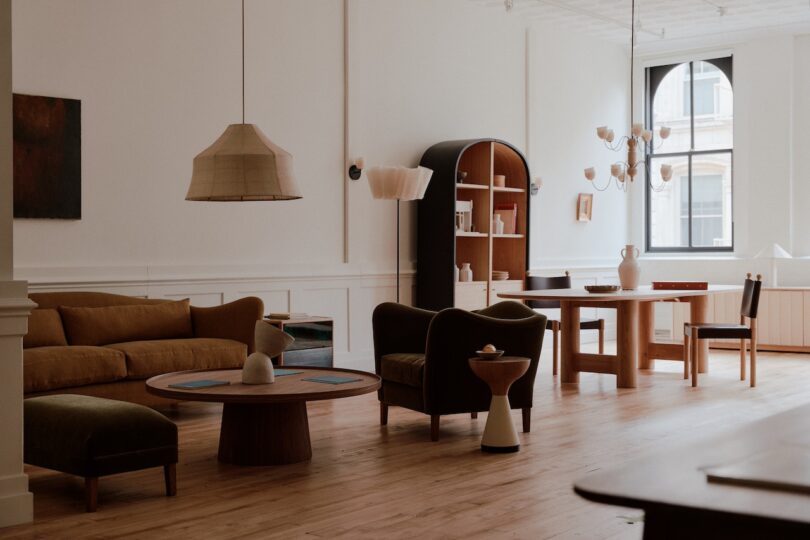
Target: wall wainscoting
{"type": "Point", "coordinates": [349, 299]}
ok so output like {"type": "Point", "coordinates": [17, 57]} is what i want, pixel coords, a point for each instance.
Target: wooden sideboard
{"type": "Point", "coordinates": [783, 319]}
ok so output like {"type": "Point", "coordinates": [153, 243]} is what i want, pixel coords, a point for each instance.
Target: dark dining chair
{"type": "Point", "coordinates": [537, 283]}
{"type": "Point", "coordinates": [693, 333]}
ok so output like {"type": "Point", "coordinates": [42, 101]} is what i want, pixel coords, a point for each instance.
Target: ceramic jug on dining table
{"type": "Point", "coordinates": [629, 269]}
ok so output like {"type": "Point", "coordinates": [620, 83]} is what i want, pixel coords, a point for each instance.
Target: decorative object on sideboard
{"type": "Point", "coordinates": [47, 157]}
{"type": "Point", "coordinates": [774, 252]}
{"type": "Point", "coordinates": [270, 342]}
{"type": "Point", "coordinates": [400, 184]}
{"type": "Point", "coordinates": [499, 180]}
{"type": "Point", "coordinates": [456, 273]}
{"type": "Point", "coordinates": [466, 273]}
{"type": "Point", "coordinates": [243, 164]}
{"type": "Point", "coordinates": [584, 206]}
{"type": "Point", "coordinates": [629, 269]}
{"type": "Point", "coordinates": [356, 168]}
{"type": "Point", "coordinates": [500, 275]}
{"type": "Point", "coordinates": [639, 138]}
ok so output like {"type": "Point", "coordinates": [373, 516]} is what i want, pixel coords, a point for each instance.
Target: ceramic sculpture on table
{"type": "Point", "coordinates": [270, 342]}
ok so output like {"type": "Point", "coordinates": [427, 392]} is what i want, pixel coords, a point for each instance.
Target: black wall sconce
{"type": "Point", "coordinates": [356, 168]}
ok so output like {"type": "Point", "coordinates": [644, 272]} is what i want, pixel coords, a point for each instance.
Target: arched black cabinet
{"type": "Point", "coordinates": [440, 245]}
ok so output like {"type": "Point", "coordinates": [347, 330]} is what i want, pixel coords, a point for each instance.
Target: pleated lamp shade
{"type": "Point", "coordinates": [243, 165]}
{"type": "Point", "coordinates": [398, 183]}
{"type": "Point", "coordinates": [774, 251]}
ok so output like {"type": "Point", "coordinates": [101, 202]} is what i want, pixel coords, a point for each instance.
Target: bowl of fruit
{"type": "Point", "coordinates": [489, 352]}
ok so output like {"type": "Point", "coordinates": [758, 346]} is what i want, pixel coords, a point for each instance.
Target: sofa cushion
{"type": "Point", "coordinates": [51, 368]}
{"type": "Point", "coordinates": [405, 369]}
{"type": "Point", "coordinates": [116, 324]}
{"type": "Point", "coordinates": [44, 329]}
{"type": "Point", "coordinates": [149, 358]}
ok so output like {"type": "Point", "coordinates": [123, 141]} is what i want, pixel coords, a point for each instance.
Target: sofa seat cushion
{"type": "Point", "coordinates": [90, 436]}
{"type": "Point", "coordinates": [146, 359]}
{"type": "Point", "coordinates": [404, 368]}
{"type": "Point", "coordinates": [118, 324]}
{"type": "Point", "coordinates": [44, 329]}
{"type": "Point", "coordinates": [51, 368]}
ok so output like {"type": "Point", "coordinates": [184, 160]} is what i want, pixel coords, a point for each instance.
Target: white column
{"type": "Point", "coordinates": [16, 503]}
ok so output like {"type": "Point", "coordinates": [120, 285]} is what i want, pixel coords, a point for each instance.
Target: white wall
{"type": "Point", "coordinates": [576, 84]}
{"type": "Point", "coordinates": [159, 81]}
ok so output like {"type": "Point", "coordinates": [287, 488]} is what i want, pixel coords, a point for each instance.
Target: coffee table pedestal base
{"type": "Point", "coordinates": [264, 434]}
{"type": "Point", "coordinates": [500, 435]}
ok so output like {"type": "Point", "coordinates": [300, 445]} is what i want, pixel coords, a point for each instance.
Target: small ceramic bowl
{"type": "Point", "coordinates": [602, 288]}
{"type": "Point", "coordinates": [489, 355]}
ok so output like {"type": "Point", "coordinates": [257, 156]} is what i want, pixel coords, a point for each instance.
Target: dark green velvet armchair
{"type": "Point", "coordinates": [422, 357]}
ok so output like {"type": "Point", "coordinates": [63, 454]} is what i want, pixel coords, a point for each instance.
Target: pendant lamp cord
{"type": "Point", "coordinates": [243, 61]}
{"type": "Point", "coordinates": [632, 54]}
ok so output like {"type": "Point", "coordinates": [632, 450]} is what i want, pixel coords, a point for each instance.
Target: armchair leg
{"type": "Point", "coordinates": [434, 427]}
{"type": "Point", "coordinates": [91, 493]}
{"type": "Point", "coordinates": [383, 414]}
{"type": "Point", "coordinates": [170, 478]}
{"type": "Point", "coordinates": [555, 332]}
{"type": "Point", "coordinates": [473, 415]}
{"type": "Point", "coordinates": [601, 336]}
{"type": "Point", "coordinates": [527, 419]}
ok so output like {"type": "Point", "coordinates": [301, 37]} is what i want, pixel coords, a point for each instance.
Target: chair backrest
{"type": "Point", "coordinates": [750, 297]}
{"type": "Point", "coordinates": [537, 283]}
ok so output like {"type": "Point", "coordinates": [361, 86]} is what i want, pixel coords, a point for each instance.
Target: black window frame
{"type": "Point", "coordinates": [653, 77]}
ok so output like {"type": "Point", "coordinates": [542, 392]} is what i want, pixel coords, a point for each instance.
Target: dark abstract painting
{"type": "Point", "coordinates": [47, 157]}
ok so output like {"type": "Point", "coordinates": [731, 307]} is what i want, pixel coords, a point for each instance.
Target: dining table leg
{"type": "Point", "coordinates": [698, 313]}
{"type": "Point", "coordinates": [569, 330]}
{"type": "Point", "coordinates": [627, 343]}
{"type": "Point", "coordinates": [645, 335]}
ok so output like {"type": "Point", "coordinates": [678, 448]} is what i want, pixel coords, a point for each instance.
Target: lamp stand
{"type": "Point", "coordinates": [773, 273]}
{"type": "Point", "coordinates": [397, 251]}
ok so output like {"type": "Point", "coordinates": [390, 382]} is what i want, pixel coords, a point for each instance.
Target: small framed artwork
{"type": "Point", "coordinates": [584, 206]}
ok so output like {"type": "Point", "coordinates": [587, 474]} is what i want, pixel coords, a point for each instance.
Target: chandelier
{"type": "Point", "coordinates": [623, 171]}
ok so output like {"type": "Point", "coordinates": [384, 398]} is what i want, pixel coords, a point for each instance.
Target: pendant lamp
{"type": "Point", "coordinates": [243, 164]}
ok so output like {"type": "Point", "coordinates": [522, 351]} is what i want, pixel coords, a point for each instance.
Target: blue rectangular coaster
{"type": "Point", "coordinates": [332, 379]}
{"type": "Point", "coordinates": [194, 385]}
{"type": "Point", "coordinates": [283, 372]}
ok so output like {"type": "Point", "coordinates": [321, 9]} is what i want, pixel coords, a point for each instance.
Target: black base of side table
{"type": "Point", "coordinates": [500, 449]}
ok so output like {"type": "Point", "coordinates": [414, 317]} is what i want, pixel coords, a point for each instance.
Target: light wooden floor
{"type": "Point", "coordinates": [367, 481]}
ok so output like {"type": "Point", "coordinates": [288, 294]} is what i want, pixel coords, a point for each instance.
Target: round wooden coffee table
{"type": "Point", "coordinates": [500, 435]}
{"type": "Point", "coordinates": [264, 424]}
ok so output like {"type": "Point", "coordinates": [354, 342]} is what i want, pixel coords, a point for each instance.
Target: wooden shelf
{"type": "Point", "coordinates": [508, 236]}
{"type": "Point", "coordinates": [471, 186]}
{"type": "Point", "coordinates": [471, 234]}
{"type": "Point", "coordinates": [508, 190]}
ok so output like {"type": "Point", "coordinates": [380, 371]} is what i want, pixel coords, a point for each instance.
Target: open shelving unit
{"type": "Point", "coordinates": [440, 245]}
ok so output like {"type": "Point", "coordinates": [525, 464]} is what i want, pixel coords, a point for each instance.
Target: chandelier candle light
{"type": "Point", "coordinates": [623, 171]}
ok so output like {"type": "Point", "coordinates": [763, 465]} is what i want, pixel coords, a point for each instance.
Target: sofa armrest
{"type": "Point", "coordinates": [235, 320]}
{"type": "Point", "coordinates": [399, 329]}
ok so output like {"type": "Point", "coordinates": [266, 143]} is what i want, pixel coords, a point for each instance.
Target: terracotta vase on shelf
{"type": "Point", "coordinates": [629, 269]}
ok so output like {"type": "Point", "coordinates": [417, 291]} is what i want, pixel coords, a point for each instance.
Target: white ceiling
{"type": "Point", "coordinates": [679, 19]}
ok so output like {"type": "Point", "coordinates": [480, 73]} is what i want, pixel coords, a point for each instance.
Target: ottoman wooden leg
{"type": "Point", "coordinates": [91, 493]}
{"type": "Point", "coordinates": [170, 476]}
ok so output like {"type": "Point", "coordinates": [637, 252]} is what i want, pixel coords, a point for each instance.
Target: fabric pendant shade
{"type": "Point", "coordinates": [399, 183]}
{"type": "Point", "coordinates": [243, 165]}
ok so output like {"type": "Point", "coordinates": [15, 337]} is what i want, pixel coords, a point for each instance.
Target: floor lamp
{"type": "Point", "coordinates": [399, 184]}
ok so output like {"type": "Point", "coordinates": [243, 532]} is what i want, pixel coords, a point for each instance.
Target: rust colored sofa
{"type": "Point", "coordinates": [106, 345]}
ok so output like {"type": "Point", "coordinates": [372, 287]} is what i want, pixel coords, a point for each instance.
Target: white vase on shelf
{"type": "Point", "coordinates": [629, 269]}
{"type": "Point", "coordinates": [497, 224]}
{"type": "Point", "coordinates": [455, 274]}
{"type": "Point", "coordinates": [465, 274]}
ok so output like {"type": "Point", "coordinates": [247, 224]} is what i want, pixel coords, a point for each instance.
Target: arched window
{"type": "Point", "coordinates": [693, 212]}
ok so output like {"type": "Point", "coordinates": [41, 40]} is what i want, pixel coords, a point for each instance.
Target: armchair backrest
{"type": "Point", "coordinates": [398, 328]}
{"type": "Point", "coordinates": [453, 338]}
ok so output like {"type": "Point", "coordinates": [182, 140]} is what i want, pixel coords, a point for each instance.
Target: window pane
{"type": "Point", "coordinates": [714, 108]}
{"type": "Point", "coordinates": [671, 108]}
{"type": "Point", "coordinates": [711, 200]}
{"type": "Point", "coordinates": [669, 208]}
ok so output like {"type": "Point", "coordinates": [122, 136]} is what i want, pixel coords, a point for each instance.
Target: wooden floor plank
{"type": "Point", "coordinates": [368, 481]}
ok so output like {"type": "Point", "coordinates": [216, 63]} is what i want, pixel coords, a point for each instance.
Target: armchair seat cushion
{"type": "Point", "coordinates": [404, 368]}
{"type": "Point", "coordinates": [146, 359]}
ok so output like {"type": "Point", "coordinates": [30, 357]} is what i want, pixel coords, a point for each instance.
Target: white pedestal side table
{"type": "Point", "coordinates": [500, 435]}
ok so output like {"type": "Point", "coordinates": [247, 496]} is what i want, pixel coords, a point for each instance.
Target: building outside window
{"type": "Point", "coordinates": [694, 211]}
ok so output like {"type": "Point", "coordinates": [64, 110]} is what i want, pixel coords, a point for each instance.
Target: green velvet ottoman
{"type": "Point", "coordinates": [93, 437]}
